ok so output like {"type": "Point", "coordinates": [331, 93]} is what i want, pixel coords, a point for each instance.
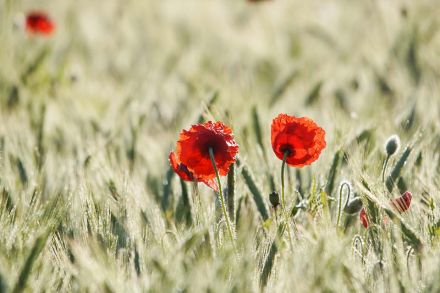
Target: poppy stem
{"type": "Point", "coordinates": [358, 239]}
{"type": "Point", "coordinates": [283, 201]}
{"type": "Point", "coordinates": [222, 200]}
{"type": "Point", "coordinates": [384, 168]}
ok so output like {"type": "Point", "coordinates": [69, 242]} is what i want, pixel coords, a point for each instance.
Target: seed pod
{"type": "Point", "coordinates": [274, 199]}
{"type": "Point", "coordinates": [353, 206]}
{"type": "Point", "coordinates": [392, 145]}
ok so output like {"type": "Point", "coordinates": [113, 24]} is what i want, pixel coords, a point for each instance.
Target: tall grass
{"type": "Point", "coordinates": [88, 116]}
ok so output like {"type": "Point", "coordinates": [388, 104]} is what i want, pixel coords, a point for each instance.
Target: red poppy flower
{"type": "Point", "coordinates": [403, 202]}
{"type": "Point", "coordinates": [187, 175]}
{"type": "Point", "coordinates": [300, 137]}
{"type": "Point", "coordinates": [39, 23]}
{"type": "Point", "coordinates": [192, 151]}
{"type": "Point", "coordinates": [363, 217]}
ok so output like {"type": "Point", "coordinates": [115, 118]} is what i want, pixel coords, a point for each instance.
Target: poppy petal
{"type": "Point", "coordinates": [363, 218]}
{"type": "Point", "coordinates": [402, 203]}
{"type": "Point", "coordinates": [211, 183]}
{"type": "Point", "coordinates": [179, 168]}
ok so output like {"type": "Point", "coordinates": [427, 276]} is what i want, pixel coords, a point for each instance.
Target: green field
{"type": "Point", "coordinates": [89, 114]}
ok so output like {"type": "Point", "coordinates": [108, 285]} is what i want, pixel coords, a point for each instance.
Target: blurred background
{"type": "Point", "coordinates": [361, 62]}
{"type": "Point", "coordinates": [97, 106]}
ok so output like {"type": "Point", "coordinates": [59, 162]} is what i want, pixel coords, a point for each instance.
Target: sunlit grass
{"type": "Point", "coordinates": [89, 115]}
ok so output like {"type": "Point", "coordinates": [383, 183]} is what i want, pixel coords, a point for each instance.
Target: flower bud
{"type": "Point", "coordinates": [353, 206]}
{"type": "Point", "coordinates": [392, 145]}
{"type": "Point", "coordinates": [274, 199]}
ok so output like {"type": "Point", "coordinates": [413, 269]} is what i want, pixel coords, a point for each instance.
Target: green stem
{"type": "Point", "coordinates": [283, 201]}
{"type": "Point", "coordinates": [231, 193]}
{"type": "Point", "coordinates": [384, 168]}
{"type": "Point", "coordinates": [222, 200]}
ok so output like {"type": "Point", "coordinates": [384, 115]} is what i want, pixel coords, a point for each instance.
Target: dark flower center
{"type": "Point", "coordinates": [287, 148]}
{"type": "Point", "coordinates": [214, 142]}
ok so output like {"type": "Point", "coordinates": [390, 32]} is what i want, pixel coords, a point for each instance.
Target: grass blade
{"type": "Point", "coordinates": [120, 232]}
{"type": "Point", "coordinates": [3, 285]}
{"type": "Point", "coordinates": [412, 60]}
{"type": "Point", "coordinates": [113, 190]}
{"type": "Point", "coordinates": [341, 100]}
{"type": "Point", "coordinates": [208, 107]}
{"type": "Point", "coordinates": [6, 202]}
{"type": "Point", "coordinates": [137, 262]}
{"type": "Point", "coordinates": [258, 198]}
{"type": "Point", "coordinates": [299, 182]}
{"type": "Point", "coordinates": [167, 189]}
{"type": "Point", "coordinates": [13, 97]}
{"type": "Point", "coordinates": [330, 186]}
{"type": "Point", "coordinates": [25, 272]}
{"type": "Point", "coordinates": [239, 210]}
{"type": "Point", "coordinates": [314, 94]}
{"type": "Point", "coordinates": [257, 130]}
{"type": "Point", "coordinates": [183, 209]}
{"type": "Point", "coordinates": [40, 151]}
{"type": "Point", "coordinates": [21, 171]}
{"type": "Point", "coordinates": [282, 87]}
{"type": "Point", "coordinates": [409, 121]}
{"type": "Point", "coordinates": [131, 150]}
{"type": "Point", "coordinates": [270, 259]}
{"type": "Point", "coordinates": [35, 64]}
{"type": "Point", "coordinates": [268, 264]}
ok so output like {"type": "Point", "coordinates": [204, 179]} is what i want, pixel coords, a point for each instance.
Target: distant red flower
{"type": "Point", "coordinates": [300, 137]}
{"type": "Point", "coordinates": [39, 23]}
{"type": "Point", "coordinates": [363, 217]}
{"type": "Point", "coordinates": [403, 202]}
{"type": "Point", "coordinates": [192, 151]}
{"type": "Point", "coordinates": [187, 175]}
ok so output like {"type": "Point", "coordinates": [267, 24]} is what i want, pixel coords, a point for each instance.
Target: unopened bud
{"type": "Point", "coordinates": [274, 199]}
{"type": "Point", "coordinates": [353, 206]}
{"type": "Point", "coordinates": [392, 145]}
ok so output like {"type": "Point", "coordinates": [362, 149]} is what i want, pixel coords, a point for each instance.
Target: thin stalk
{"type": "Point", "coordinates": [222, 200]}
{"type": "Point", "coordinates": [231, 192]}
{"type": "Point", "coordinates": [283, 201]}
{"type": "Point", "coordinates": [384, 168]}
